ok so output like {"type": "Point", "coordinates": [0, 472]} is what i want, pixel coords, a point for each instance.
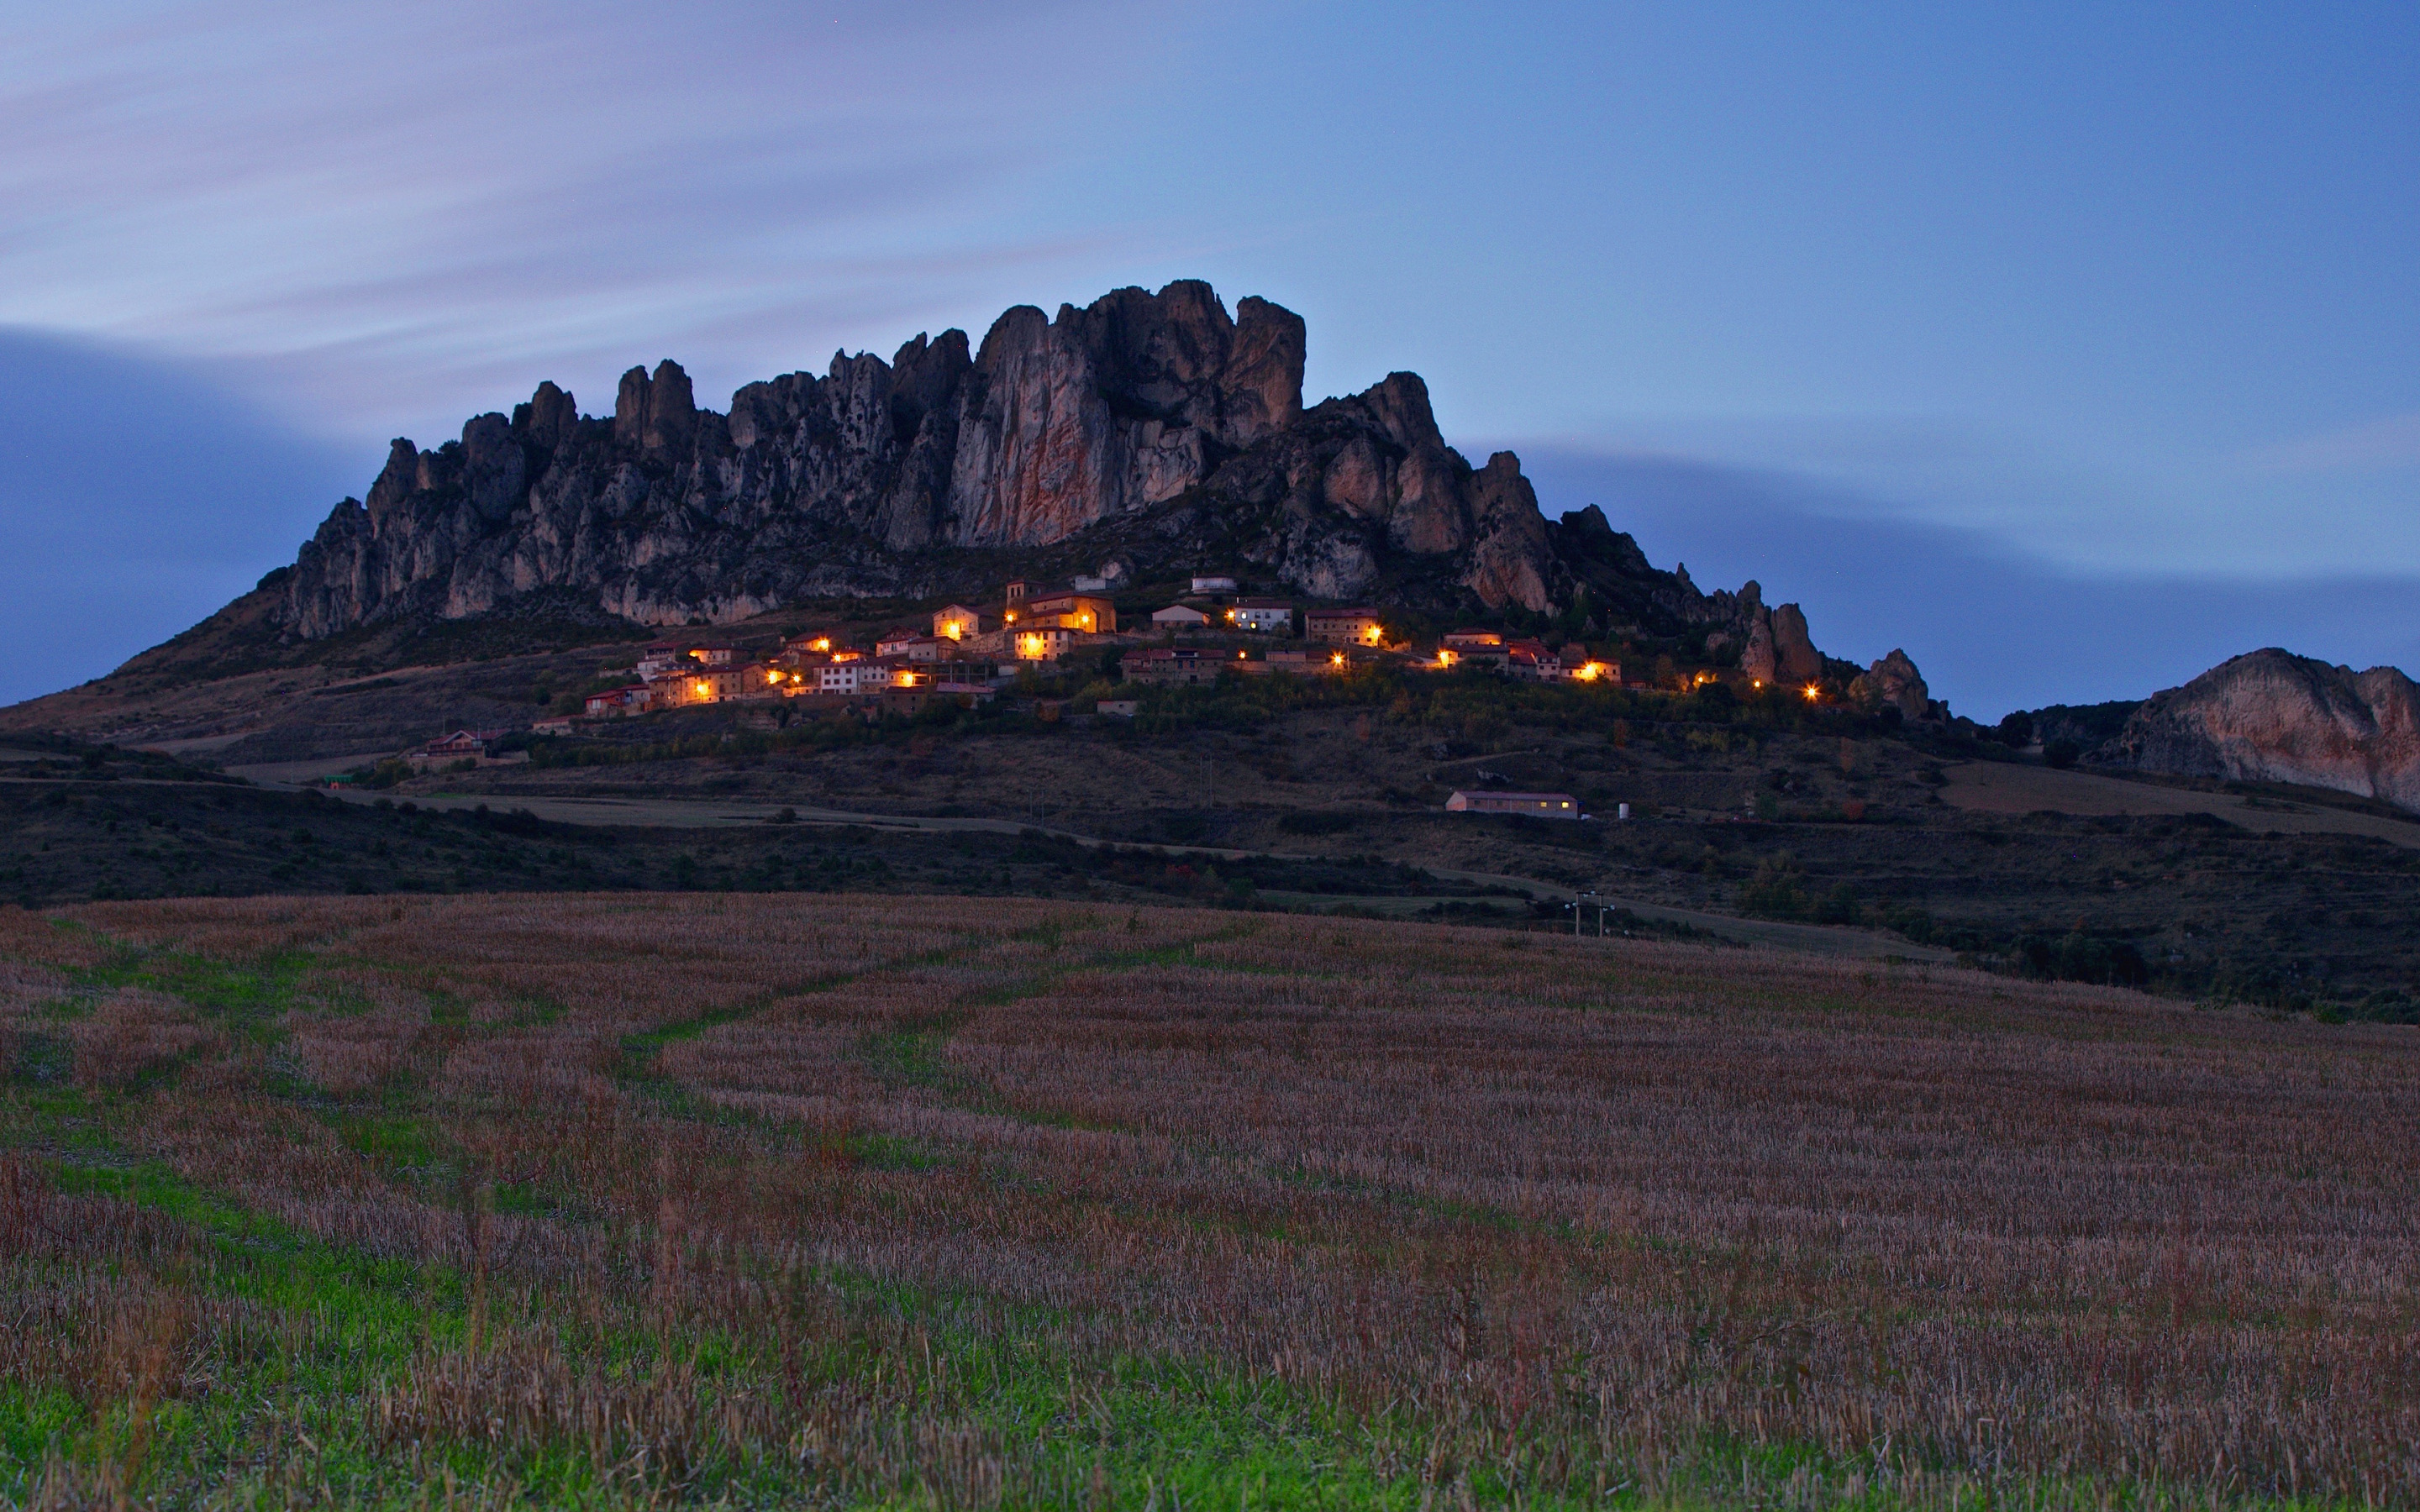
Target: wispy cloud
{"type": "Point", "coordinates": [2392, 443]}
{"type": "Point", "coordinates": [415, 192]}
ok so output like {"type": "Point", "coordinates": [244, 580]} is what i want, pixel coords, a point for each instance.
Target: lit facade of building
{"type": "Point", "coordinates": [1343, 626]}
{"type": "Point", "coordinates": [1088, 612]}
{"type": "Point", "coordinates": [1042, 643]}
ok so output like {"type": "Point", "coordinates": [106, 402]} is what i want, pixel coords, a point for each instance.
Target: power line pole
{"type": "Point", "coordinates": [1590, 899]}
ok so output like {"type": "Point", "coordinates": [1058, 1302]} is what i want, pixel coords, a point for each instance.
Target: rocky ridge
{"type": "Point", "coordinates": [2273, 716]}
{"type": "Point", "coordinates": [1148, 432]}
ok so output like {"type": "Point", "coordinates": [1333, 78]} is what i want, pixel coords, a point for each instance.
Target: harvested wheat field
{"type": "Point", "coordinates": [879, 1200]}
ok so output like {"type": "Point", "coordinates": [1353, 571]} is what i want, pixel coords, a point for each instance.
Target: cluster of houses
{"type": "Point", "coordinates": [967, 652]}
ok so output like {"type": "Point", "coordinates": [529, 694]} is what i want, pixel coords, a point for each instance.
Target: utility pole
{"type": "Point", "coordinates": [1592, 899]}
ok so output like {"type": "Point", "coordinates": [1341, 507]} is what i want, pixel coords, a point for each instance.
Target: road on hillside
{"type": "Point", "coordinates": [695, 814]}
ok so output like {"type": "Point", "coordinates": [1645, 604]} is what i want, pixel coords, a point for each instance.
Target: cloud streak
{"type": "Point", "coordinates": [414, 192]}
{"type": "Point", "coordinates": [2390, 443]}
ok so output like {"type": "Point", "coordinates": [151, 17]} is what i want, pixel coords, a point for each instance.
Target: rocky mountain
{"type": "Point", "coordinates": [1148, 432]}
{"type": "Point", "coordinates": [2273, 717]}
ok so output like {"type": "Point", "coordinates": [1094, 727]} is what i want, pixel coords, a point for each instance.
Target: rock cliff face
{"type": "Point", "coordinates": [1894, 681]}
{"type": "Point", "coordinates": [1152, 426]}
{"type": "Point", "coordinates": [1777, 649]}
{"type": "Point", "coordinates": [2278, 717]}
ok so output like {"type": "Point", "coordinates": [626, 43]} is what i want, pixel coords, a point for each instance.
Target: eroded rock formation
{"type": "Point", "coordinates": [1893, 681]}
{"type": "Point", "coordinates": [2273, 717]}
{"type": "Point", "coordinates": [1777, 648]}
{"type": "Point", "coordinates": [1151, 424]}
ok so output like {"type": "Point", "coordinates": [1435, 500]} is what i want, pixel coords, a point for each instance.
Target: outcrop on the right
{"type": "Point", "coordinates": [2273, 717]}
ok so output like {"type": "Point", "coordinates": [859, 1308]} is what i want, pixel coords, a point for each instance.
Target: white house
{"type": "Point", "coordinates": [852, 677]}
{"type": "Point", "coordinates": [1214, 585]}
{"type": "Point", "coordinates": [1268, 616]}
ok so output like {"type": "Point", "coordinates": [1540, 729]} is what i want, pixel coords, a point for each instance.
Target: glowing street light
{"type": "Point", "coordinates": [1814, 692]}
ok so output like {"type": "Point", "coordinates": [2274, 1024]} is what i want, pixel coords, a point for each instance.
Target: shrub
{"type": "Point", "coordinates": [1316, 824]}
{"type": "Point", "coordinates": [1774, 891]}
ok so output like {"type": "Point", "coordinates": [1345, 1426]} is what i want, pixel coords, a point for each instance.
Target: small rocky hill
{"type": "Point", "coordinates": [1142, 438]}
{"type": "Point", "coordinates": [2273, 717]}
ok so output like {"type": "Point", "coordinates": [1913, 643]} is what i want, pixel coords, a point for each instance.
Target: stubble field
{"type": "Point", "coordinates": [852, 1200]}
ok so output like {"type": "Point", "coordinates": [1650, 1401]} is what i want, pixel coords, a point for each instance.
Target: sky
{"type": "Point", "coordinates": [2069, 347]}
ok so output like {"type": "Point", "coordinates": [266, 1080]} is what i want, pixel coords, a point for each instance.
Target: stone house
{"type": "Point", "coordinates": [1343, 626]}
{"type": "Point", "coordinates": [1045, 642]}
{"type": "Point", "coordinates": [1533, 660]}
{"type": "Point", "coordinates": [1091, 613]}
{"type": "Point", "coordinates": [1175, 666]}
{"type": "Point", "coordinates": [957, 622]}
{"type": "Point", "coordinates": [477, 746]}
{"type": "Point", "coordinates": [618, 702]}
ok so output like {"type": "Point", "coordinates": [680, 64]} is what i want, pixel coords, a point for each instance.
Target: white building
{"type": "Point", "coordinates": [1214, 585]}
{"type": "Point", "coordinates": [855, 677]}
{"type": "Point", "coordinates": [1536, 805]}
{"type": "Point", "coordinates": [1268, 616]}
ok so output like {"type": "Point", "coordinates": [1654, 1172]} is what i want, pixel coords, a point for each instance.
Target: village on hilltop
{"type": "Point", "coordinates": [967, 653]}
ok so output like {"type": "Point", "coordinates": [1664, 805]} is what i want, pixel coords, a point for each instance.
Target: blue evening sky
{"type": "Point", "coordinates": [2071, 348]}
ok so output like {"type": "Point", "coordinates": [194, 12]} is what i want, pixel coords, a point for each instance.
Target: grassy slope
{"type": "Point", "coordinates": [609, 1200]}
